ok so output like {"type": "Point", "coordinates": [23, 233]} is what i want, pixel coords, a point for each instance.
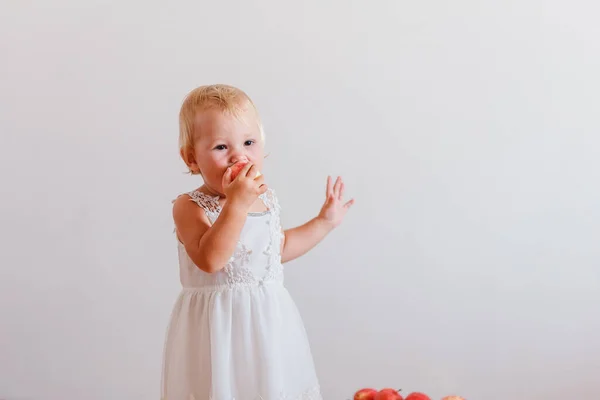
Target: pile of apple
{"type": "Point", "coordinates": [393, 394]}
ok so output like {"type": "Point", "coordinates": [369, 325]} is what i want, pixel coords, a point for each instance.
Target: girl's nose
{"type": "Point", "coordinates": [237, 157]}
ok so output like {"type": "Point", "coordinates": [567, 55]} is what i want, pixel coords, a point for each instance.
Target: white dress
{"type": "Point", "coordinates": [236, 334]}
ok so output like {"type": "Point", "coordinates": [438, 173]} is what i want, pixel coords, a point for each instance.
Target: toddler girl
{"type": "Point", "coordinates": [235, 332]}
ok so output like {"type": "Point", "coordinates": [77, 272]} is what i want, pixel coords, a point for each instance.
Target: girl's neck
{"type": "Point", "coordinates": [210, 191]}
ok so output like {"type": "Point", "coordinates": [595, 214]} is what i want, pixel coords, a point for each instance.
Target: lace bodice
{"type": "Point", "coordinates": [257, 257]}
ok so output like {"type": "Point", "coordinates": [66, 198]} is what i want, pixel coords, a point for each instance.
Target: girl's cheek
{"type": "Point", "coordinates": [257, 151]}
{"type": "Point", "coordinates": [220, 158]}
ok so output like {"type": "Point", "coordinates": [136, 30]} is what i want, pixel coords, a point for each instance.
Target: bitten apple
{"type": "Point", "coordinates": [237, 167]}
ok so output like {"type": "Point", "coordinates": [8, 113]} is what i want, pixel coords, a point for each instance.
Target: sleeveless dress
{"type": "Point", "coordinates": [236, 334]}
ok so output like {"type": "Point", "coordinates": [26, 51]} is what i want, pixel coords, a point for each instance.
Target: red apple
{"type": "Point", "coordinates": [417, 396]}
{"type": "Point", "coordinates": [365, 394]}
{"type": "Point", "coordinates": [237, 168]}
{"type": "Point", "coordinates": [388, 394]}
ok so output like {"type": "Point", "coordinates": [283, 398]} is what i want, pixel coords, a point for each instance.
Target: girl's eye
{"type": "Point", "coordinates": [248, 142]}
{"type": "Point", "coordinates": [220, 147]}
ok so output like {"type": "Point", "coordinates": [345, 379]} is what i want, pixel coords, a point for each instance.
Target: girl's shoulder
{"type": "Point", "coordinates": [200, 198]}
{"type": "Point", "coordinates": [188, 216]}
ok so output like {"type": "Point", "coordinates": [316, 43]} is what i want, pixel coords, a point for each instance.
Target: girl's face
{"type": "Point", "coordinates": [222, 140]}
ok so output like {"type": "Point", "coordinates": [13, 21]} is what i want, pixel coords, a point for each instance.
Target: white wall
{"type": "Point", "coordinates": [467, 131]}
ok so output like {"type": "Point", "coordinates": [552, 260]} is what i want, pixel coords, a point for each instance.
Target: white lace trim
{"type": "Point", "coordinates": [208, 203]}
{"type": "Point", "coordinates": [236, 270]}
{"type": "Point", "coordinates": [274, 269]}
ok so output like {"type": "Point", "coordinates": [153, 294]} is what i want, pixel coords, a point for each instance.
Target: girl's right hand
{"type": "Point", "coordinates": [243, 191]}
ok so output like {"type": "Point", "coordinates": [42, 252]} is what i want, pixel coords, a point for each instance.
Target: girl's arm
{"type": "Point", "coordinates": [298, 241]}
{"type": "Point", "coordinates": [210, 247]}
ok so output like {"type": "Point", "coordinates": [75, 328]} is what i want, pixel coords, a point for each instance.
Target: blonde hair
{"type": "Point", "coordinates": [225, 98]}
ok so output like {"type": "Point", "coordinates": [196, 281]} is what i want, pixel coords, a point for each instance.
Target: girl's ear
{"type": "Point", "coordinates": [190, 160]}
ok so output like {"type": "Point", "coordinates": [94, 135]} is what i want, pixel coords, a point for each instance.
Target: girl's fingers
{"type": "Point", "coordinates": [336, 187]}
{"type": "Point", "coordinates": [329, 188]}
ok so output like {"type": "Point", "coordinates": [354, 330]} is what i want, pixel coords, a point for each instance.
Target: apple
{"type": "Point", "coordinates": [453, 398]}
{"type": "Point", "coordinates": [417, 396]}
{"type": "Point", "coordinates": [365, 394]}
{"type": "Point", "coordinates": [388, 394]}
{"type": "Point", "coordinates": [237, 168]}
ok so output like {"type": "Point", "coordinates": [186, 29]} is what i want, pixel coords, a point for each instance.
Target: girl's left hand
{"type": "Point", "coordinates": [334, 210]}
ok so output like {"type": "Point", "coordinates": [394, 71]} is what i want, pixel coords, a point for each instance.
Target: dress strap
{"type": "Point", "coordinates": [208, 203]}
{"type": "Point", "coordinates": [270, 200]}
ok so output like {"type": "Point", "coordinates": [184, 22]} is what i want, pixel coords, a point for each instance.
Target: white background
{"type": "Point", "coordinates": [467, 131]}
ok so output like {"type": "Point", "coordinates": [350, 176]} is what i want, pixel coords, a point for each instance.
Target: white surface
{"type": "Point", "coordinates": [467, 131]}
